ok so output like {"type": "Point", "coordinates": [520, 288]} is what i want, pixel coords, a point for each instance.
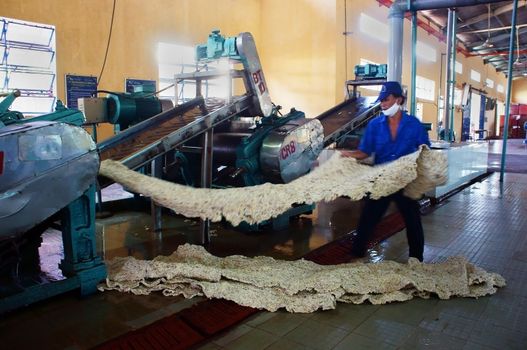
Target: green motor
{"type": "Point", "coordinates": [127, 109]}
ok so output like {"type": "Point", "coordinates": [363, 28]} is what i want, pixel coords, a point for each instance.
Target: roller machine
{"type": "Point", "coordinates": [250, 141]}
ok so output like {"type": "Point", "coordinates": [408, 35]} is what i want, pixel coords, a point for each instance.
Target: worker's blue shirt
{"type": "Point", "coordinates": [377, 138]}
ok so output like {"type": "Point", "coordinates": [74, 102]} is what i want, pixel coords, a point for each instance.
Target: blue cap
{"type": "Point", "coordinates": [390, 88]}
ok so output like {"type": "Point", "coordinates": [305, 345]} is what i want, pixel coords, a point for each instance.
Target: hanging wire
{"type": "Point", "coordinates": [488, 22]}
{"type": "Point", "coordinates": [517, 62]}
{"type": "Point", "coordinates": [487, 42]}
{"type": "Point", "coordinates": [346, 39]}
{"type": "Point", "coordinates": [107, 43]}
{"type": "Point", "coordinates": [517, 43]}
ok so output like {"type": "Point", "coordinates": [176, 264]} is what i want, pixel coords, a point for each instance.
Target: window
{"type": "Point", "coordinates": [424, 88]}
{"type": "Point", "coordinates": [489, 83]}
{"type": "Point", "coordinates": [476, 76]}
{"type": "Point", "coordinates": [27, 63]}
{"type": "Point", "coordinates": [175, 59]}
{"type": "Point", "coordinates": [457, 97]}
{"type": "Point", "coordinates": [374, 28]}
{"type": "Point", "coordinates": [500, 88]}
{"type": "Point", "coordinates": [426, 52]}
{"type": "Point", "coordinates": [459, 67]}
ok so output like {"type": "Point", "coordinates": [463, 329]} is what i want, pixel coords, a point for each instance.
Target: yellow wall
{"type": "Point", "coordinates": [299, 53]}
{"type": "Point", "coordinates": [300, 43]}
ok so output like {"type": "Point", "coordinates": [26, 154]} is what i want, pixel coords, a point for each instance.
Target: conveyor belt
{"type": "Point", "coordinates": [144, 135]}
{"type": "Point", "coordinates": [147, 140]}
{"type": "Point", "coordinates": [346, 117]}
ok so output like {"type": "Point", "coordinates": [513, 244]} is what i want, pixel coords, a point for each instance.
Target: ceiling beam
{"type": "Point", "coordinates": [490, 29]}
{"type": "Point", "coordinates": [498, 11]}
{"type": "Point", "coordinates": [514, 69]}
{"type": "Point", "coordinates": [495, 62]}
{"type": "Point", "coordinates": [498, 38]}
{"type": "Point", "coordinates": [501, 48]}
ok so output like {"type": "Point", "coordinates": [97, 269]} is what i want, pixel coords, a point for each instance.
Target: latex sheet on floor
{"type": "Point", "coordinates": [298, 286]}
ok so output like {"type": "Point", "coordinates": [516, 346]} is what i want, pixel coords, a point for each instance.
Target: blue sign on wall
{"type": "Point", "coordinates": [79, 86]}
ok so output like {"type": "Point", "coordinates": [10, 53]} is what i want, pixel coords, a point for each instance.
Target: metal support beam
{"type": "Point", "coordinates": [499, 37]}
{"type": "Point", "coordinates": [396, 17]}
{"type": "Point", "coordinates": [448, 75]}
{"type": "Point", "coordinates": [509, 88]}
{"type": "Point", "coordinates": [498, 49]}
{"type": "Point", "coordinates": [490, 29]}
{"type": "Point", "coordinates": [156, 171]}
{"type": "Point", "coordinates": [206, 181]}
{"type": "Point", "coordinates": [493, 59]}
{"type": "Point", "coordinates": [498, 11]}
{"type": "Point", "coordinates": [453, 74]}
{"type": "Point", "coordinates": [414, 64]}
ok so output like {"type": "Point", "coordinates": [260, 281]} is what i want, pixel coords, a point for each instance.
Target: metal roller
{"type": "Point", "coordinates": [225, 146]}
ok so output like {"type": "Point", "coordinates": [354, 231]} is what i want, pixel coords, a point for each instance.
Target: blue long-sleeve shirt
{"type": "Point", "coordinates": [377, 138]}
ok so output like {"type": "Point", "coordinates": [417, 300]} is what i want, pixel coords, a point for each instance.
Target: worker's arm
{"type": "Point", "coordinates": [357, 154]}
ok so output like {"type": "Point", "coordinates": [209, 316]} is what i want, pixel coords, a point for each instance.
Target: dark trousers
{"type": "Point", "coordinates": [373, 212]}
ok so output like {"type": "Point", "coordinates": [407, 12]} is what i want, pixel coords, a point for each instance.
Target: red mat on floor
{"type": "Point", "coordinates": [168, 333]}
{"type": "Point", "coordinates": [194, 325]}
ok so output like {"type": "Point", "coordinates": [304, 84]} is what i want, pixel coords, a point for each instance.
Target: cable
{"type": "Point", "coordinates": [107, 44]}
{"type": "Point", "coordinates": [160, 91]}
{"type": "Point", "coordinates": [346, 39]}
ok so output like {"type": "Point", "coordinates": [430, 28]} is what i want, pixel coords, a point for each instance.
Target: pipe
{"type": "Point", "coordinates": [395, 47]}
{"type": "Point", "coordinates": [509, 88]}
{"type": "Point", "coordinates": [418, 5]}
{"type": "Point", "coordinates": [446, 119]}
{"type": "Point", "coordinates": [414, 63]}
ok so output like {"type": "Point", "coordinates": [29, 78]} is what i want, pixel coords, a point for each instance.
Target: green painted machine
{"type": "Point", "coordinates": [128, 109]}
{"type": "Point", "coordinates": [61, 114]}
{"type": "Point", "coordinates": [122, 109]}
{"type": "Point", "coordinates": [371, 71]}
{"type": "Point", "coordinates": [48, 168]}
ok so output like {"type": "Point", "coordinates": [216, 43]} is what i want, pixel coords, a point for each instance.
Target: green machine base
{"type": "Point", "coordinates": [82, 267]}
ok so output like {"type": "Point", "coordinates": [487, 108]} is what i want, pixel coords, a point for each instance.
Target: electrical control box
{"type": "Point", "coordinates": [95, 109]}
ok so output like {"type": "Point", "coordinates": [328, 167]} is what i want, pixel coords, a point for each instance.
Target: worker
{"type": "Point", "coordinates": [389, 136]}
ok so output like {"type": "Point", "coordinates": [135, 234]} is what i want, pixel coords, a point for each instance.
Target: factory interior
{"type": "Point", "coordinates": [207, 96]}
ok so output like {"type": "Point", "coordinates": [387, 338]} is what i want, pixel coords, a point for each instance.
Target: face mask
{"type": "Point", "coordinates": [390, 112]}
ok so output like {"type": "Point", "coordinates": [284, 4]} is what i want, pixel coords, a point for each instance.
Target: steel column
{"type": "Point", "coordinates": [446, 119]}
{"type": "Point", "coordinates": [509, 88]}
{"type": "Point", "coordinates": [414, 68]}
{"type": "Point", "coordinates": [206, 180]}
{"type": "Point", "coordinates": [156, 167]}
{"type": "Point", "coordinates": [453, 75]}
